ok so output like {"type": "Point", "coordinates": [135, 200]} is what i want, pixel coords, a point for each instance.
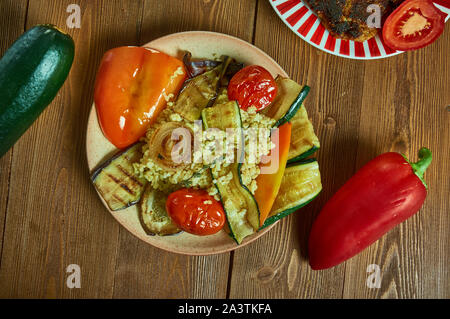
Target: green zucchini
{"type": "Point", "coordinates": [288, 101]}
{"type": "Point", "coordinates": [288, 107]}
{"type": "Point", "coordinates": [199, 92]}
{"type": "Point", "coordinates": [116, 181]}
{"type": "Point", "coordinates": [300, 185]}
{"type": "Point", "coordinates": [304, 141]}
{"type": "Point", "coordinates": [153, 215]}
{"type": "Point", "coordinates": [32, 71]}
{"type": "Point", "coordinates": [241, 209]}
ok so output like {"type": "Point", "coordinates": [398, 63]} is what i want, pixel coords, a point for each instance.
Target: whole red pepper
{"type": "Point", "coordinates": [382, 194]}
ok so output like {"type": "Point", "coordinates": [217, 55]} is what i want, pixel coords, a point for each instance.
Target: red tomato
{"type": "Point", "coordinates": [195, 211]}
{"type": "Point", "coordinates": [253, 85]}
{"type": "Point", "coordinates": [413, 25]}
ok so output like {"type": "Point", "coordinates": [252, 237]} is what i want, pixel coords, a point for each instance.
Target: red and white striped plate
{"type": "Point", "coordinates": [302, 20]}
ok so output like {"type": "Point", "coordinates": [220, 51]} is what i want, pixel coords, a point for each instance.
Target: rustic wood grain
{"type": "Point", "coordinates": [54, 217]}
{"type": "Point", "coordinates": [11, 27]}
{"type": "Point", "coordinates": [276, 266]}
{"type": "Point", "coordinates": [146, 272]}
{"type": "Point", "coordinates": [407, 109]}
{"type": "Point", "coordinates": [50, 215]}
{"type": "Point", "coordinates": [359, 110]}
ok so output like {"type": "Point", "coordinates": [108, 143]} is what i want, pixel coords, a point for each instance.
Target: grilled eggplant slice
{"type": "Point", "coordinates": [153, 215]}
{"type": "Point", "coordinates": [196, 68]}
{"type": "Point", "coordinates": [116, 181]}
{"type": "Point", "coordinates": [200, 92]}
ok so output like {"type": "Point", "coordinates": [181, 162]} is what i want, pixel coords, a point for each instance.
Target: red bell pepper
{"type": "Point", "coordinates": [130, 91]}
{"type": "Point", "coordinates": [382, 194]}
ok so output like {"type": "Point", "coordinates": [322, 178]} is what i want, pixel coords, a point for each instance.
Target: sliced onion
{"type": "Point", "coordinates": [161, 146]}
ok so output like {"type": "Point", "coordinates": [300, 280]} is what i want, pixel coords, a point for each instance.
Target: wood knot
{"type": "Point", "coordinates": [329, 121]}
{"type": "Point", "coordinates": [400, 146]}
{"type": "Point", "coordinates": [265, 274]}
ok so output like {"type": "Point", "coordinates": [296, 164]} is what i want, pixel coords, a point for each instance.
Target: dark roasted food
{"type": "Point", "coordinates": [347, 19]}
{"type": "Point", "coordinates": [116, 181]}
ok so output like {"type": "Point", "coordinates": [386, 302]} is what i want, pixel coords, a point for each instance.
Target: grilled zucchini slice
{"type": "Point", "coordinates": [153, 215]}
{"type": "Point", "coordinates": [304, 141]}
{"type": "Point", "coordinates": [288, 107]}
{"type": "Point", "coordinates": [288, 101]}
{"type": "Point", "coordinates": [240, 206]}
{"type": "Point", "coordinates": [300, 185]}
{"type": "Point", "coordinates": [116, 181]}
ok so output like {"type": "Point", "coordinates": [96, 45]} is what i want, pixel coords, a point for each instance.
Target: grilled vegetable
{"type": "Point", "coordinates": [252, 86]}
{"type": "Point", "coordinates": [287, 102]}
{"type": "Point", "coordinates": [162, 145]}
{"type": "Point", "coordinates": [196, 68]}
{"type": "Point", "coordinates": [288, 106]}
{"type": "Point", "coordinates": [132, 87]}
{"type": "Point", "coordinates": [32, 71]}
{"type": "Point", "coordinates": [300, 185]}
{"type": "Point", "coordinates": [304, 141]}
{"type": "Point", "coordinates": [195, 211]}
{"type": "Point", "coordinates": [240, 206]}
{"type": "Point", "coordinates": [153, 215]}
{"type": "Point", "coordinates": [222, 97]}
{"type": "Point", "coordinates": [116, 182]}
{"type": "Point", "coordinates": [199, 92]}
{"type": "Point", "coordinates": [269, 183]}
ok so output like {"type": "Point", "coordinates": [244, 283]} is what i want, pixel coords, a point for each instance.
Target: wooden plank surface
{"type": "Point", "coordinates": [50, 215]}
{"type": "Point", "coordinates": [11, 27]}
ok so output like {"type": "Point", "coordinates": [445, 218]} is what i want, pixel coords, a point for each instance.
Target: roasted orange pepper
{"type": "Point", "coordinates": [131, 89]}
{"type": "Point", "coordinates": [269, 184]}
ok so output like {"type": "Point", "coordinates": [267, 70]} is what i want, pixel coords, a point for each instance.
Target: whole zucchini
{"type": "Point", "coordinates": [32, 71]}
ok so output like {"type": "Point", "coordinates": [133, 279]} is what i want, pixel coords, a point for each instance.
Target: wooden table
{"type": "Point", "coordinates": [51, 217]}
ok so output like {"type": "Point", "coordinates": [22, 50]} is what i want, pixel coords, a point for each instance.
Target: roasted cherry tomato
{"type": "Point", "coordinates": [252, 86]}
{"type": "Point", "coordinates": [413, 25]}
{"type": "Point", "coordinates": [195, 211]}
{"type": "Point", "coordinates": [130, 91]}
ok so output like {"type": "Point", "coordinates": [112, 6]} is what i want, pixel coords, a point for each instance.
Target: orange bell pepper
{"type": "Point", "coordinates": [269, 184]}
{"type": "Point", "coordinates": [130, 91]}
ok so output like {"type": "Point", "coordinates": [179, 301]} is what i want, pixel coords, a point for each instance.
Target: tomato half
{"type": "Point", "coordinates": [195, 211]}
{"type": "Point", "coordinates": [413, 25]}
{"type": "Point", "coordinates": [252, 86]}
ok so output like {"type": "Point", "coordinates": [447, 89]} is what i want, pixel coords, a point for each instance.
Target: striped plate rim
{"type": "Point", "coordinates": [303, 22]}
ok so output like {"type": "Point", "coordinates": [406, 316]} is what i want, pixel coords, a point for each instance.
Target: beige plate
{"type": "Point", "coordinates": [202, 45]}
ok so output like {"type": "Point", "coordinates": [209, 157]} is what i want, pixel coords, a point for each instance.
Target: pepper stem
{"type": "Point", "coordinates": [422, 164]}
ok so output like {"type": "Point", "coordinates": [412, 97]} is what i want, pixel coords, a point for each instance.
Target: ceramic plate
{"type": "Point", "coordinates": [202, 45]}
{"type": "Point", "coordinates": [302, 20]}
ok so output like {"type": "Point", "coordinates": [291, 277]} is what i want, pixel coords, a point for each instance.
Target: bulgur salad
{"type": "Point", "coordinates": [207, 145]}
